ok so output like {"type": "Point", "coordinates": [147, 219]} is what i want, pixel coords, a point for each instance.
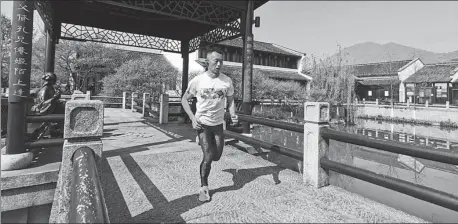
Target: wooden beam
{"type": "Point", "coordinates": [155, 11]}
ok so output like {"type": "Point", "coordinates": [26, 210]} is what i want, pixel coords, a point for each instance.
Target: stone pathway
{"type": "Point", "coordinates": [150, 173]}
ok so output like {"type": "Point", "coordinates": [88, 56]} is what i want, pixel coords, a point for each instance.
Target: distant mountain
{"type": "Point", "coordinates": [370, 52]}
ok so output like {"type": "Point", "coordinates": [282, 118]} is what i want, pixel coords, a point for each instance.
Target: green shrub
{"type": "Point", "coordinates": [144, 75]}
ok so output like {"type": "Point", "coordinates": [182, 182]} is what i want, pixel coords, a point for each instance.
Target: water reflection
{"type": "Point", "coordinates": [417, 135]}
{"type": "Point", "coordinates": [436, 175]}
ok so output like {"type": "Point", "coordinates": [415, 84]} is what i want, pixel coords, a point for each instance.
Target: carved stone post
{"type": "Point", "coordinates": [124, 95]}
{"type": "Point", "coordinates": [145, 96]}
{"type": "Point", "coordinates": [164, 109]}
{"type": "Point", "coordinates": [133, 103]}
{"type": "Point", "coordinates": [77, 95]}
{"type": "Point", "coordinates": [316, 117]}
{"type": "Point", "coordinates": [83, 128]}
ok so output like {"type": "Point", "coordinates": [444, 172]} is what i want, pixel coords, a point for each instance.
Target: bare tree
{"type": "Point", "coordinates": [333, 80]}
{"type": "Point", "coordinates": [393, 80]}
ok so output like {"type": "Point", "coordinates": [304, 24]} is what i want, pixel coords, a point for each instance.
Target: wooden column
{"type": "Point", "coordinates": [19, 77]}
{"type": "Point", "coordinates": [185, 56]}
{"type": "Point", "coordinates": [247, 71]}
{"type": "Point", "coordinates": [50, 52]}
{"type": "Point", "coordinates": [185, 72]}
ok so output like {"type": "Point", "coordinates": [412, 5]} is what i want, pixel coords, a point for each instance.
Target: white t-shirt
{"type": "Point", "coordinates": [211, 96]}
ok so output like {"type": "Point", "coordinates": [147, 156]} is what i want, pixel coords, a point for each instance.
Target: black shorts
{"type": "Point", "coordinates": [212, 140]}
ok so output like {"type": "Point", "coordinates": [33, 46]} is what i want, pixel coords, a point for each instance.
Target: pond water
{"type": "Point", "coordinates": [432, 174]}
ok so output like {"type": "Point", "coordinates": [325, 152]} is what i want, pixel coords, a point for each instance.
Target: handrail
{"type": "Point", "coordinates": [421, 192]}
{"type": "Point", "coordinates": [87, 203]}
{"type": "Point", "coordinates": [424, 152]}
{"type": "Point", "coordinates": [44, 118]}
{"type": "Point", "coordinates": [107, 97]}
{"type": "Point", "coordinates": [276, 148]}
{"type": "Point", "coordinates": [43, 143]}
{"type": "Point", "coordinates": [271, 123]}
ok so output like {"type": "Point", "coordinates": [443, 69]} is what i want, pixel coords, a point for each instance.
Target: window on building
{"type": "Point", "coordinates": [369, 93]}
{"type": "Point", "coordinates": [441, 90]}
{"type": "Point", "coordinates": [387, 93]}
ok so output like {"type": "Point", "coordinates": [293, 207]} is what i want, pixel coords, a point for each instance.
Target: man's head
{"type": "Point", "coordinates": [49, 78]}
{"type": "Point", "coordinates": [214, 59]}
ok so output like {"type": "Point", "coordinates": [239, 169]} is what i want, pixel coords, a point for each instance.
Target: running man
{"type": "Point", "coordinates": [210, 88]}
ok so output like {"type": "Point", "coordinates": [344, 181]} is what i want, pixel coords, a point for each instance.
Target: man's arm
{"type": "Point", "coordinates": [231, 105]}
{"type": "Point", "coordinates": [184, 102]}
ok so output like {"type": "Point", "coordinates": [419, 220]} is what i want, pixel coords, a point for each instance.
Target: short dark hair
{"type": "Point", "coordinates": [212, 48]}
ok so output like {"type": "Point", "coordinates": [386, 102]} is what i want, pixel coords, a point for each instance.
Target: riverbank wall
{"type": "Point", "coordinates": [434, 115]}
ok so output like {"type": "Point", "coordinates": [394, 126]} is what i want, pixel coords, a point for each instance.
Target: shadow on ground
{"type": "Point", "coordinates": [173, 130]}
{"type": "Point", "coordinates": [273, 157]}
{"type": "Point", "coordinates": [163, 210]}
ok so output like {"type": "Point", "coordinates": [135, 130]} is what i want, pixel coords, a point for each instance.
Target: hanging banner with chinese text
{"type": "Point", "coordinates": [21, 50]}
{"type": "Point", "coordinates": [248, 66]}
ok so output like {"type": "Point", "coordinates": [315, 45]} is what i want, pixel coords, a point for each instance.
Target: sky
{"type": "Point", "coordinates": [316, 27]}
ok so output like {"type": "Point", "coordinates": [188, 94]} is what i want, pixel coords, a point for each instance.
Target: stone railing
{"type": "Point", "coordinates": [108, 101]}
{"type": "Point", "coordinates": [427, 104]}
{"type": "Point", "coordinates": [148, 107]}
{"type": "Point", "coordinates": [83, 131]}
{"type": "Point", "coordinates": [28, 193]}
{"type": "Point", "coordinates": [319, 157]}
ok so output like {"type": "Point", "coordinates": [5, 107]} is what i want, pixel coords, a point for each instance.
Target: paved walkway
{"type": "Point", "coordinates": [151, 174]}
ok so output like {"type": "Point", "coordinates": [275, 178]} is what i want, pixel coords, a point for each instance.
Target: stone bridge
{"type": "Point", "coordinates": [150, 173]}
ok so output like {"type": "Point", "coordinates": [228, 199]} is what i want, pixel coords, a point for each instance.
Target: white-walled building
{"type": "Point", "coordinates": [385, 80]}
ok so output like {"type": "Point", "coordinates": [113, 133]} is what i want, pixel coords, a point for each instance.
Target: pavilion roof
{"type": "Point", "coordinates": [155, 24]}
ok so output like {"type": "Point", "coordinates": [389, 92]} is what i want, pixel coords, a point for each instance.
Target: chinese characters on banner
{"type": "Point", "coordinates": [21, 54]}
{"type": "Point", "coordinates": [249, 52]}
{"type": "Point", "coordinates": [248, 64]}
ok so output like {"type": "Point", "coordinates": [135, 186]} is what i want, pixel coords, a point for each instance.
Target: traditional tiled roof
{"type": "Point", "coordinates": [434, 73]}
{"type": "Point", "coordinates": [271, 72]}
{"type": "Point", "coordinates": [379, 69]}
{"type": "Point", "coordinates": [380, 81]}
{"type": "Point", "coordinates": [259, 46]}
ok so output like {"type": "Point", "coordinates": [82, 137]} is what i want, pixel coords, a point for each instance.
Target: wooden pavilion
{"type": "Point", "coordinates": [170, 25]}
